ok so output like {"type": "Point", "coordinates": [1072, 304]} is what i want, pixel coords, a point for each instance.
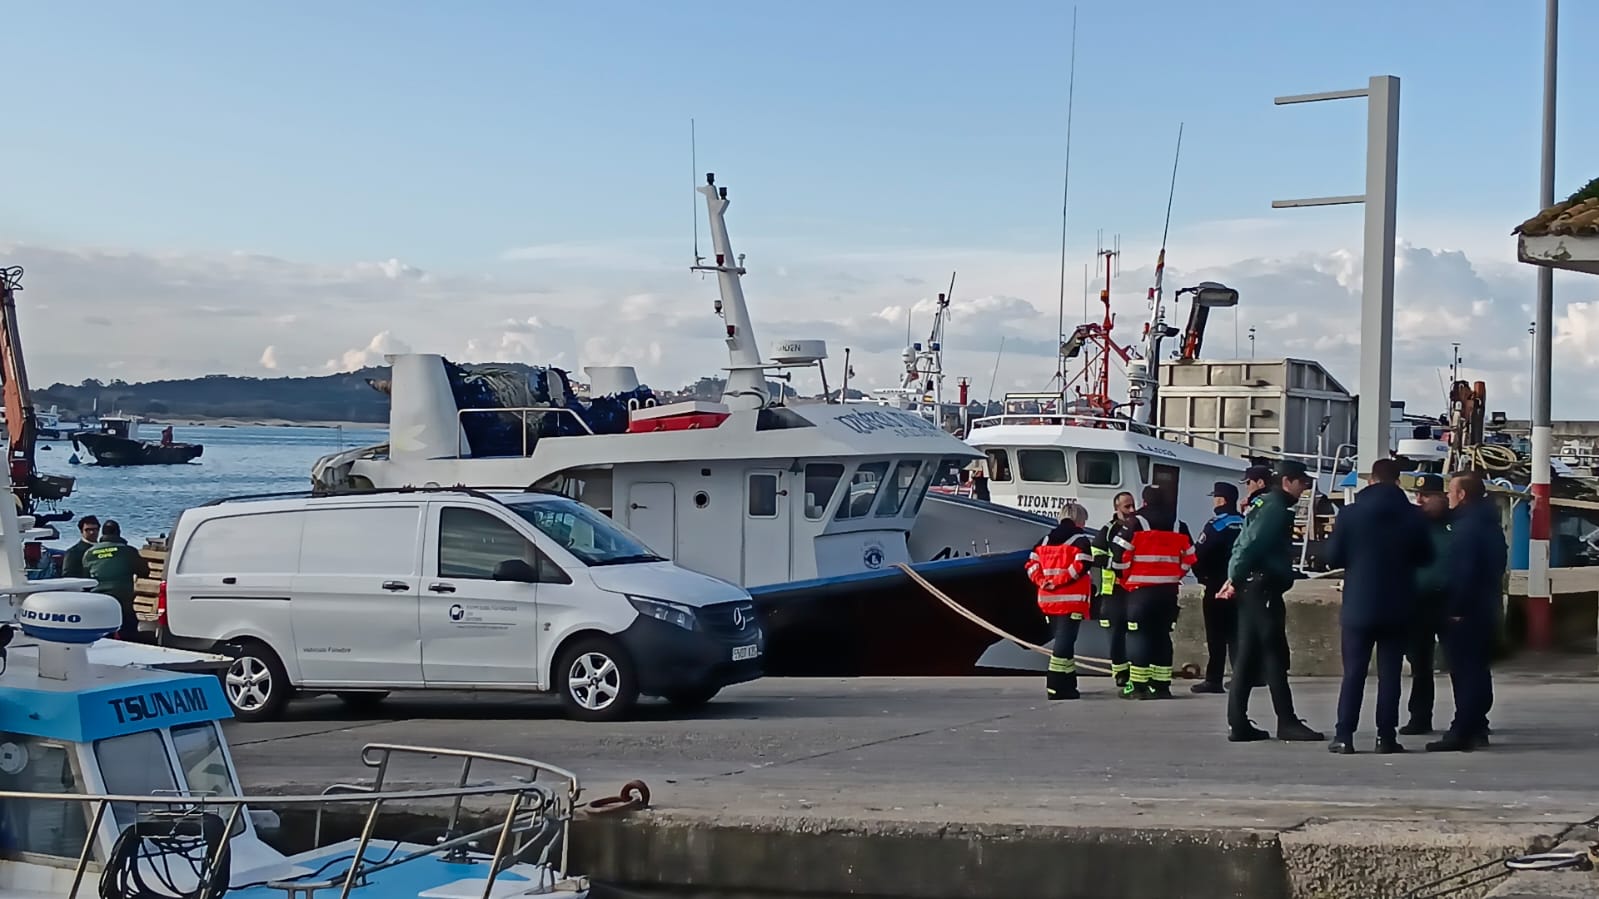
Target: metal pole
{"type": "Point", "coordinates": [1377, 284]}
{"type": "Point", "coordinates": [1538, 592]}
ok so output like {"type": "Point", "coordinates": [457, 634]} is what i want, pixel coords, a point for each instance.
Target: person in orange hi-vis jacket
{"type": "Point", "coordinates": [1161, 557]}
{"type": "Point", "coordinates": [1059, 566]}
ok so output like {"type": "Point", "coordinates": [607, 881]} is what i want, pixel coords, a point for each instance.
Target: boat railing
{"type": "Point", "coordinates": [1116, 423]}
{"type": "Point", "coordinates": [522, 413]}
{"type": "Point", "coordinates": [537, 819]}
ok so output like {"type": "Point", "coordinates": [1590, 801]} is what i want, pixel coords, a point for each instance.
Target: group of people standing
{"type": "Point", "coordinates": [1413, 575]}
{"type": "Point", "coordinates": [101, 553]}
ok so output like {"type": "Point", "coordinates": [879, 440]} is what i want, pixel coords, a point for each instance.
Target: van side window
{"type": "Point", "coordinates": [380, 540]}
{"type": "Point", "coordinates": [472, 542]}
{"type": "Point", "coordinates": [244, 544]}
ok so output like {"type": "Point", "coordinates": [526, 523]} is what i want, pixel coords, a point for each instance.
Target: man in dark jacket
{"type": "Point", "coordinates": [1213, 548]}
{"type": "Point", "coordinates": [1257, 481]}
{"type": "Point", "coordinates": [1476, 590]}
{"type": "Point", "coordinates": [1380, 541]}
{"type": "Point", "coordinates": [88, 535]}
{"type": "Point", "coordinates": [1109, 550]}
{"type": "Point", "coordinates": [1432, 600]}
{"type": "Point", "coordinates": [115, 565]}
{"type": "Point", "coordinates": [1259, 573]}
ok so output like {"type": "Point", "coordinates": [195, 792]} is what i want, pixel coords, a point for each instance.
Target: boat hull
{"type": "Point", "coordinates": [883, 624]}
{"type": "Point", "coordinates": [108, 449]}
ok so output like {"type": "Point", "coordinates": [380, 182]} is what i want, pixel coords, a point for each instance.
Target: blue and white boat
{"type": "Point", "coordinates": [116, 781]}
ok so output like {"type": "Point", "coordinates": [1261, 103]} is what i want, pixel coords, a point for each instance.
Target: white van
{"type": "Point", "coordinates": [445, 588]}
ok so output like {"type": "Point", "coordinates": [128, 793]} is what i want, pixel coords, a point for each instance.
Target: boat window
{"type": "Point", "coordinates": [780, 418]}
{"type": "Point", "coordinates": [585, 533]}
{"type": "Point", "coordinates": [763, 496]}
{"type": "Point", "coordinates": [204, 767]}
{"type": "Point", "coordinates": [999, 465]}
{"type": "Point", "coordinates": [1143, 469]}
{"type": "Point", "coordinates": [472, 542]}
{"type": "Point", "coordinates": [244, 544]}
{"type": "Point", "coordinates": [899, 487]}
{"type": "Point", "coordinates": [1042, 466]}
{"type": "Point", "coordinates": [134, 765]}
{"type": "Point", "coordinates": [862, 490]}
{"type": "Point", "coordinates": [919, 492]}
{"type": "Point", "coordinates": [1099, 469]}
{"type": "Point", "coordinates": [45, 827]}
{"type": "Point", "coordinates": [821, 480]}
{"type": "Point", "coordinates": [386, 536]}
{"type": "Point", "coordinates": [948, 473]}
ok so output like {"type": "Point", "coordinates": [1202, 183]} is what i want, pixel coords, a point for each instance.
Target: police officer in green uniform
{"type": "Point", "coordinates": [1259, 573]}
{"type": "Point", "coordinates": [115, 565]}
{"type": "Point", "coordinates": [1432, 599]}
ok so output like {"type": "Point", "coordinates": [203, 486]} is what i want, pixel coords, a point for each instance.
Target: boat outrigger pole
{"type": "Point", "coordinates": [1143, 380]}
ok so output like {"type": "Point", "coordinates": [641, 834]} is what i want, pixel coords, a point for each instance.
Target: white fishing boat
{"type": "Point", "coordinates": [808, 506]}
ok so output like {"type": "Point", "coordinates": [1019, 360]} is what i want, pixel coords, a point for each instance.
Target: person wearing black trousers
{"type": "Point", "coordinates": [1477, 558]}
{"type": "Point", "coordinates": [1381, 540]}
{"type": "Point", "coordinates": [1432, 600]}
{"type": "Point", "coordinates": [1213, 549]}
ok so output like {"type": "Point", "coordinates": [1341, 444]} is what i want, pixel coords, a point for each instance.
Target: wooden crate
{"type": "Point", "coordinates": [146, 590]}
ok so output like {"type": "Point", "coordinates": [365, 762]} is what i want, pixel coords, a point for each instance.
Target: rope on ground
{"type": "Point", "coordinates": [635, 794]}
{"type": "Point", "coordinates": [1086, 663]}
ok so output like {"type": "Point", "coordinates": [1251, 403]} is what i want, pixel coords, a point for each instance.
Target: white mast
{"type": "Point", "coordinates": [746, 373]}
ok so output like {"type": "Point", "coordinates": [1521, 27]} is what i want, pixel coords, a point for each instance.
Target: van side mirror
{"type": "Point", "coordinates": [516, 570]}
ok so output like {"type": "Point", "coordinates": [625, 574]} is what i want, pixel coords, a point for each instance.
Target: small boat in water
{"type": "Point", "coordinates": [117, 443]}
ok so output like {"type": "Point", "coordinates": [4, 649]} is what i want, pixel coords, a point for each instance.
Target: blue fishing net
{"type": "Point", "coordinates": [511, 433]}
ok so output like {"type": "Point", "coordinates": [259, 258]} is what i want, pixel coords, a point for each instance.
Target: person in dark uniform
{"type": "Point", "coordinates": [1060, 568]}
{"type": "Point", "coordinates": [1212, 550]}
{"type": "Point", "coordinates": [1380, 541]}
{"type": "Point", "coordinates": [1257, 482]}
{"type": "Point", "coordinates": [1477, 557]}
{"type": "Point", "coordinates": [115, 565]}
{"type": "Point", "coordinates": [1259, 572]}
{"type": "Point", "coordinates": [1109, 550]}
{"type": "Point", "coordinates": [88, 535]}
{"type": "Point", "coordinates": [1432, 599]}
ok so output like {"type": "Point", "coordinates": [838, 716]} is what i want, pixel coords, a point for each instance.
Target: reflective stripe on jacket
{"type": "Point", "coordinates": [1061, 575]}
{"type": "Point", "coordinates": [1159, 558]}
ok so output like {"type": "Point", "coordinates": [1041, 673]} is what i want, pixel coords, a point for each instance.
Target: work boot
{"type": "Point", "coordinates": [1481, 741]}
{"type": "Point", "coordinates": [1249, 733]}
{"type": "Point", "coordinates": [1123, 678]}
{"type": "Point", "coordinates": [1160, 690]}
{"type": "Point", "coordinates": [1416, 728]}
{"type": "Point", "coordinates": [1452, 741]}
{"type": "Point", "coordinates": [1296, 731]}
{"type": "Point", "coordinates": [1206, 686]}
{"type": "Point", "coordinates": [1341, 746]}
{"type": "Point", "coordinates": [1389, 746]}
{"type": "Point", "coordinates": [1062, 685]}
{"type": "Point", "coordinates": [1137, 691]}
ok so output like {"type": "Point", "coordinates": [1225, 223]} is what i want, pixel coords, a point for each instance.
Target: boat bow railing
{"type": "Point", "coordinates": [522, 412]}
{"type": "Point", "coordinates": [537, 817]}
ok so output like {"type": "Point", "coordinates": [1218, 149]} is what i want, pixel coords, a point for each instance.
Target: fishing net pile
{"type": "Point", "coordinates": [495, 433]}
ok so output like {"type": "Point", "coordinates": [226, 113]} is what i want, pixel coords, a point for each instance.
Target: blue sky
{"type": "Point", "coordinates": [447, 135]}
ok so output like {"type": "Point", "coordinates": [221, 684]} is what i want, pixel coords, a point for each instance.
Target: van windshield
{"type": "Point", "coordinates": [584, 532]}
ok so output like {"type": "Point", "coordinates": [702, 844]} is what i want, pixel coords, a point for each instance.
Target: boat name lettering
{"type": "Point", "coordinates": [1160, 451]}
{"type": "Point", "coordinates": [160, 704]}
{"type": "Point", "coordinates": [1031, 501]}
{"type": "Point", "coordinates": [883, 420]}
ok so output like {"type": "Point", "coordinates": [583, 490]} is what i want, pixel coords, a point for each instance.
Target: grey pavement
{"type": "Point", "coordinates": [984, 750]}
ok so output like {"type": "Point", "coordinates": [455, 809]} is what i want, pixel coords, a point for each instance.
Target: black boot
{"type": "Point", "coordinates": [1297, 731]}
{"type": "Point", "coordinates": [1160, 689]}
{"type": "Point", "coordinates": [1454, 741]}
{"type": "Point", "coordinates": [1389, 746]}
{"type": "Point", "coordinates": [1416, 727]}
{"type": "Point", "coordinates": [1062, 685]}
{"type": "Point", "coordinates": [1122, 677]}
{"type": "Point", "coordinates": [1206, 686]}
{"type": "Point", "coordinates": [1249, 733]}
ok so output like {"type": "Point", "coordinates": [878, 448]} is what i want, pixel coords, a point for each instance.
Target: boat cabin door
{"type": "Point", "coordinates": [652, 515]}
{"type": "Point", "coordinates": [1166, 477]}
{"type": "Point", "coordinates": [766, 528]}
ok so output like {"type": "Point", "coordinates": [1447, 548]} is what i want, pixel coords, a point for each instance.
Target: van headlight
{"type": "Point", "coordinates": [669, 612]}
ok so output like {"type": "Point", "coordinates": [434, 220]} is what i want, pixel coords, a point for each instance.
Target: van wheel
{"type": "Point", "coordinates": [255, 683]}
{"type": "Point", "coordinates": [689, 700]}
{"type": "Point", "coordinates": [362, 700]}
{"type": "Point", "coordinates": [596, 680]}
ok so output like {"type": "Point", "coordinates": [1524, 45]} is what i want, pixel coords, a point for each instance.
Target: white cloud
{"type": "Point", "coordinates": [185, 315]}
{"type": "Point", "coordinates": [382, 344]}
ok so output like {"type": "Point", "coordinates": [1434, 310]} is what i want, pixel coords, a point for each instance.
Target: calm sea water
{"type": "Point", "coordinates": [146, 499]}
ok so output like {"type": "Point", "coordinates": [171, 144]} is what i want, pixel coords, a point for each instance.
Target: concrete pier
{"type": "Point", "coordinates": [978, 787]}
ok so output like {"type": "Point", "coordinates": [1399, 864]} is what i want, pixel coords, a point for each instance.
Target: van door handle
{"type": "Point", "coordinates": [396, 585]}
{"type": "Point", "coordinates": [230, 580]}
{"type": "Point", "coordinates": [442, 588]}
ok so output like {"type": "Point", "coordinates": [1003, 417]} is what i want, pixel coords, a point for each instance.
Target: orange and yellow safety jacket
{"type": "Point", "coordinates": [1061, 573]}
{"type": "Point", "coordinates": [1157, 559]}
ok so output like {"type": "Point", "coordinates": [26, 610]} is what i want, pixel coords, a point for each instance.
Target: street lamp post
{"type": "Point", "coordinates": [1377, 285]}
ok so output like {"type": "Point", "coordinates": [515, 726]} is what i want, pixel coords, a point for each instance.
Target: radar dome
{"type": "Point", "coordinates": [62, 617]}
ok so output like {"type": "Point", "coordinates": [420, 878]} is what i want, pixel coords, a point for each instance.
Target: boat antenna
{"type": "Point", "coordinates": [995, 376]}
{"type": "Point", "coordinates": [694, 179]}
{"type": "Point", "coordinates": [1155, 330]}
{"type": "Point", "coordinates": [1065, 195]}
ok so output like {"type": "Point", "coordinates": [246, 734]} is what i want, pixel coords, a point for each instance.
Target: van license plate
{"type": "Point", "coordinates": [745, 653]}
